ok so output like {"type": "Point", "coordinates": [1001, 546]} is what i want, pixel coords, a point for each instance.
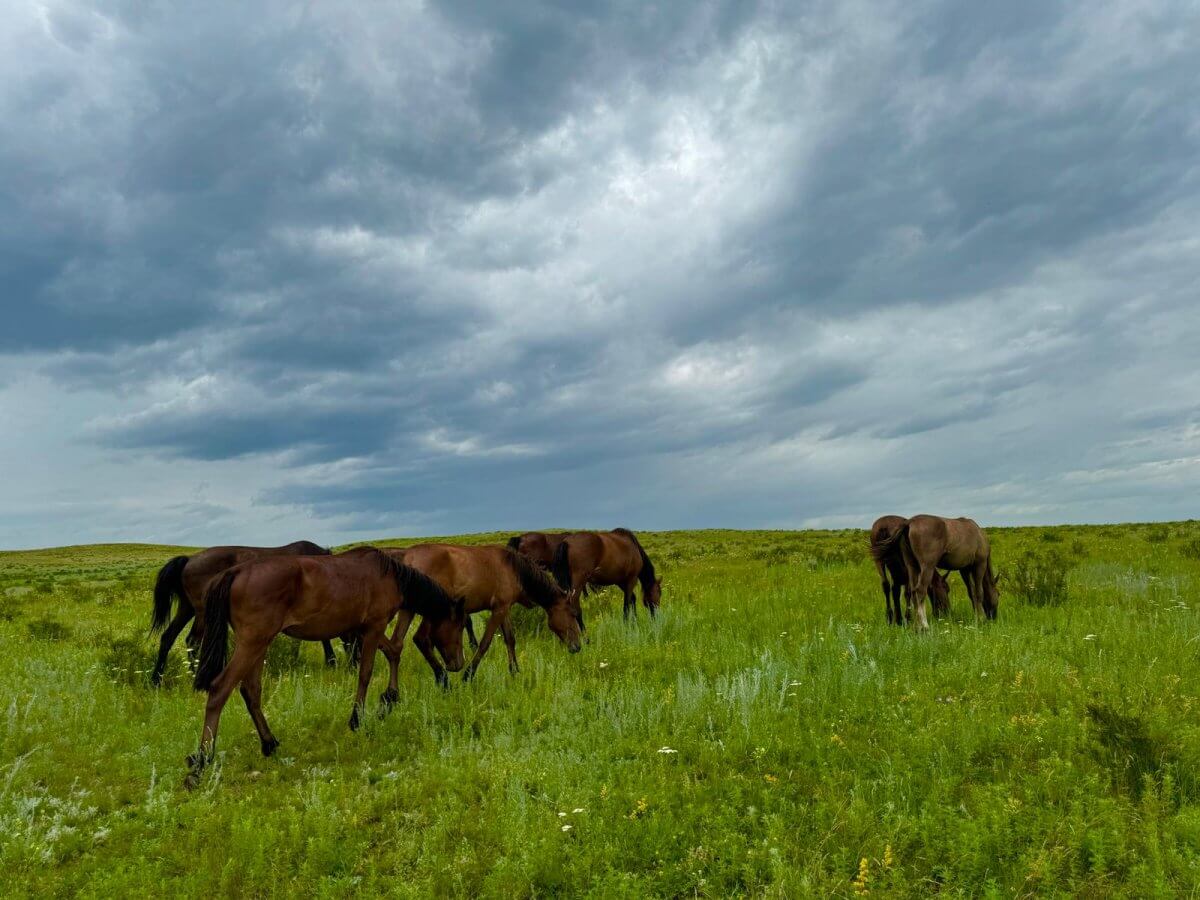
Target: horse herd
{"type": "Point", "coordinates": [306, 592]}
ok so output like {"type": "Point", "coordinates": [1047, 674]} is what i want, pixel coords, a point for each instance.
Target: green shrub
{"type": "Point", "coordinates": [129, 660]}
{"type": "Point", "coordinates": [1039, 578]}
{"type": "Point", "coordinates": [46, 629]}
{"type": "Point", "coordinates": [1158, 534]}
{"type": "Point", "coordinates": [1190, 548]}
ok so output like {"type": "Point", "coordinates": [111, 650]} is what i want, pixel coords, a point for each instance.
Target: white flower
{"type": "Point", "coordinates": [561, 814]}
{"type": "Point", "coordinates": [794, 684]}
{"type": "Point", "coordinates": [667, 750]}
{"type": "Point", "coordinates": [1089, 637]}
{"type": "Point", "coordinates": [578, 809]}
{"type": "Point", "coordinates": [604, 664]}
{"type": "Point", "coordinates": [567, 827]}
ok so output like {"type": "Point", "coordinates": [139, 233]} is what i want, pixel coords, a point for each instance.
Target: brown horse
{"type": "Point", "coordinates": [607, 558]}
{"type": "Point", "coordinates": [893, 565]}
{"type": "Point", "coordinates": [187, 577]}
{"type": "Point", "coordinates": [930, 543]}
{"type": "Point", "coordinates": [493, 578]}
{"type": "Point", "coordinates": [538, 546]}
{"type": "Point", "coordinates": [312, 598]}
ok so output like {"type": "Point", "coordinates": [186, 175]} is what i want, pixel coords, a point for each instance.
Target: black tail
{"type": "Point", "coordinates": [215, 647]}
{"type": "Point", "coordinates": [167, 586]}
{"type": "Point", "coordinates": [561, 566]}
{"type": "Point", "coordinates": [536, 584]}
{"type": "Point", "coordinates": [646, 576]}
{"type": "Point", "coordinates": [514, 543]}
{"type": "Point", "coordinates": [884, 547]}
{"type": "Point", "coordinates": [421, 594]}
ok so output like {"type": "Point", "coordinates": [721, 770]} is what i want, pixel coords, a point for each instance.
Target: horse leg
{"type": "Point", "coordinates": [471, 634]}
{"type": "Point", "coordinates": [920, 590]}
{"type": "Point", "coordinates": [330, 656]}
{"type": "Point", "coordinates": [887, 590]}
{"type": "Point", "coordinates": [247, 655]}
{"type": "Point", "coordinates": [353, 648]}
{"type": "Point", "coordinates": [425, 645]}
{"type": "Point", "coordinates": [977, 575]}
{"type": "Point", "coordinates": [489, 632]}
{"type": "Point", "coordinates": [898, 616]}
{"type": "Point", "coordinates": [183, 615]}
{"type": "Point", "coordinates": [392, 648]}
{"type": "Point", "coordinates": [252, 693]}
{"type": "Point", "coordinates": [510, 641]}
{"type": "Point", "coordinates": [366, 666]}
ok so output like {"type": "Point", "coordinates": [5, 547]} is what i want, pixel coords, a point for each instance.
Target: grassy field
{"type": "Point", "coordinates": [767, 735]}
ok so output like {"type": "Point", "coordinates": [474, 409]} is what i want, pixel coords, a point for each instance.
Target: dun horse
{"type": "Point", "coordinates": [186, 577]}
{"type": "Point", "coordinates": [493, 578]}
{"type": "Point", "coordinates": [607, 558]}
{"type": "Point", "coordinates": [312, 598]}
{"type": "Point", "coordinates": [930, 543]}
{"type": "Point", "coordinates": [893, 565]}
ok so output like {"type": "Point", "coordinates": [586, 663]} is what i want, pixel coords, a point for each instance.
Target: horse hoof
{"type": "Point", "coordinates": [331, 662]}
{"type": "Point", "coordinates": [389, 697]}
{"type": "Point", "coordinates": [269, 747]}
{"type": "Point", "coordinates": [354, 720]}
{"type": "Point", "coordinates": [191, 781]}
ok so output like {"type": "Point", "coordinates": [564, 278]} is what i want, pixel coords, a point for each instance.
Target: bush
{"type": "Point", "coordinates": [1040, 578]}
{"type": "Point", "coordinates": [1190, 548]}
{"type": "Point", "coordinates": [1158, 534]}
{"type": "Point", "coordinates": [48, 630]}
{"type": "Point", "coordinates": [128, 660]}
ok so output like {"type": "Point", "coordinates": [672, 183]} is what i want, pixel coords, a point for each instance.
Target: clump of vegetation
{"type": "Point", "coordinates": [130, 660]}
{"type": "Point", "coordinates": [286, 656]}
{"type": "Point", "coordinates": [1039, 578]}
{"type": "Point", "coordinates": [1158, 534]}
{"type": "Point", "coordinates": [1190, 548]}
{"type": "Point", "coordinates": [46, 629]}
{"type": "Point", "coordinates": [1050, 537]}
{"type": "Point", "coordinates": [1136, 757]}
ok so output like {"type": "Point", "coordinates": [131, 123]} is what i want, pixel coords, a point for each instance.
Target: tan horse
{"type": "Point", "coordinates": [930, 543]}
{"type": "Point", "coordinates": [607, 558]}
{"type": "Point", "coordinates": [312, 598]}
{"type": "Point", "coordinates": [185, 578]}
{"type": "Point", "coordinates": [893, 565]}
{"type": "Point", "coordinates": [494, 578]}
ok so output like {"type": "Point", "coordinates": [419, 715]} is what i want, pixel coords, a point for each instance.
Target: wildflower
{"type": "Point", "coordinates": [794, 684]}
{"type": "Point", "coordinates": [1019, 678]}
{"type": "Point", "coordinates": [1089, 637]}
{"type": "Point", "coordinates": [983, 674]}
{"type": "Point", "coordinates": [837, 739]}
{"type": "Point", "coordinates": [666, 750]}
{"type": "Point", "coordinates": [783, 634]}
{"type": "Point", "coordinates": [888, 859]}
{"type": "Point", "coordinates": [567, 827]}
{"type": "Point", "coordinates": [770, 779]}
{"type": "Point", "coordinates": [578, 810]}
{"type": "Point", "coordinates": [640, 809]}
{"type": "Point", "coordinates": [561, 814]}
{"type": "Point", "coordinates": [604, 663]}
{"type": "Point", "coordinates": [864, 875]}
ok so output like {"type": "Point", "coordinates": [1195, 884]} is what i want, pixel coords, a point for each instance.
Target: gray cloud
{"type": "Point", "coordinates": [453, 267]}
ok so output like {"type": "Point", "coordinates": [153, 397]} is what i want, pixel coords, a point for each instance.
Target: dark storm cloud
{"type": "Point", "coordinates": [465, 265]}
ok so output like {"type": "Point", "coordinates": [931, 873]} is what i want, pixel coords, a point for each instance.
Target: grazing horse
{"type": "Point", "coordinates": [930, 543]}
{"type": "Point", "coordinates": [186, 577]}
{"type": "Point", "coordinates": [493, 578]}
{"type": "Point", "coordinates": [312, 598]}
{"type": "Point", "coordinates": [893, 565]}
{"type": "Point", "coordinates": [607, 558]}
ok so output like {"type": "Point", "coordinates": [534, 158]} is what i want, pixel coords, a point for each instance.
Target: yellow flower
{"type": "Point", "coordinates": [837, 739]}
{"type": "Point", "coordinates": [888, 859]}
{"type": "Point", "coordinates": [771, 778]}
{"type": "Point", "coordinates": [864, 875]}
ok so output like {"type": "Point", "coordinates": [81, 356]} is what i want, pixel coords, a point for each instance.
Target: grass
{"type": "Point", "coordinates": [768, 735]}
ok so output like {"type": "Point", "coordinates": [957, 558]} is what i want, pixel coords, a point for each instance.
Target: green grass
{"type": "Point", "coordinates": [1056, 751]}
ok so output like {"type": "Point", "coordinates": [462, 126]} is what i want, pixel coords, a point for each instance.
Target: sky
{"type": "Point", "coordinates": [334, 272]}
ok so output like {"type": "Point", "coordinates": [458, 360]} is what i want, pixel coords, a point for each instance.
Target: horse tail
{"type": "Point", "coordinates": [884, 546]}
{"type": "Point", "coordinates": [167, 587]}
{"type": "Point", "coordinates": [646, 576]}
{"type": "Point", "coordinates": [421, 594]}
{"type": "Point", "coordinates": [561, 566]}
{"type": "Point", "coordinates": [514, 543]}
{"type": "Point", "coordinates": [215, 645]}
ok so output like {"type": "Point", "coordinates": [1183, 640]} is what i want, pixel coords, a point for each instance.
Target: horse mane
{"type": "Point", "coordinates": [646, 575]}
{"type": "Point", "coordinates": [537, 585]}
{"type": "Point", "coordinates": [514, 542]}
{"type": "Point", "coordinates": [422, 594]}
{"type": "Point", "coordinates": [311, 549]}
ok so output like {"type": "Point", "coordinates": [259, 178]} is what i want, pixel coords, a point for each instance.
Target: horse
{"type": "Point", "coordinates": [607, 558]}
{"type": "Point", "coordinates": [538, 546]}
{"type": "Point", "coordinates": [312, 598]}
{"type": "Point", "coordinates": [893, 565]}
{"type": "Point", "coordinates": [932, 542]}
{"type": "Point", "coordinates": [186, 577]}
{"type": "Point", "coordinates": [493, 577]}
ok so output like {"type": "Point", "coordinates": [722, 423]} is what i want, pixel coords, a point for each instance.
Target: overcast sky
{"type": "Point", "coordinates": [347, 271]}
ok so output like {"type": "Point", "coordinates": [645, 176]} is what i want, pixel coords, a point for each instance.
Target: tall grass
{"type": "Point", "coordinates": [767, 735]}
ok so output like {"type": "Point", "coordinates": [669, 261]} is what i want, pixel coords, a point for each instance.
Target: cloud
{"type": "Point", "coordinates": [449, 267]}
